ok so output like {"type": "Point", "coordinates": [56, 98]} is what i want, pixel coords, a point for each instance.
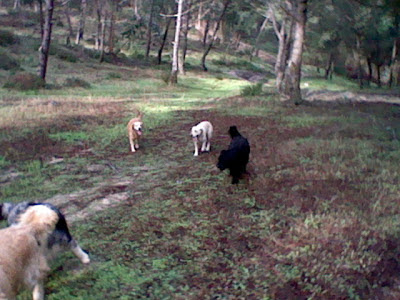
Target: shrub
{"type": "Point", "coordinates": [7, 62]}
{"type": "Point", "coordinates": [24, 82]}
{"type": "Point", "coordinates": [113, 75]}
{"type": "Point", "coordinates": [252, 90]}
{"type": "Point", "coordinates": [76, 82]}
{"type": "Point", "coordinates": [7, 38]}
{"type": "Point", "coordinates": [67, 55]}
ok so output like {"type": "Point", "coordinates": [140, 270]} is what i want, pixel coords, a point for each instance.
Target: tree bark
{"type": "Point", "coordinates": [185, 31]}
{"type": "Point", "coordinates": [212, 40]}
{"type": "Point", "coordinates": [149, 25]}
{"type": "Point", "coordinates": [254, 51]}
{"type": "Point", "coordinates": [99, 25]}
{"type": "Point", "coordinates": [103, 37]}
{"type": "Point", "coordinates": [81, 27]}
{"type": "Point", "coordinates": [174, 72]}
{"type": "Point", "coordinates": [393, 61]}
{"type": "Point", "coordinates": [205, 35]}
{"type": "Point", "coordinates": [111, 32]}
{"type": "Point", "coordinates": [292, 79]}
{"type": "Point", "coordinates": [164, 39]}
{"type": "Point", "coordinates": [41, 18]}
{"type": "Point", "coordinates": [45, 46]}
{"type": "Point", "coordinates": [68, 17]}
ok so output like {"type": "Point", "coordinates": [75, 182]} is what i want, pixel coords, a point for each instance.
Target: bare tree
{"type": "Point", "coordinates": [174, 72]}
{"type": "Point", "coordinates": [46, 39]}
{"type": "Point", "coordinates": [164, 39]}
{"type": "Point", "coordinates": [81, 27]}
{"type": "Point", "coordinates": [293, 70]}
{"type": "Point", "coordinates": [149, 27]}
{"type": "Point", "coordinates": [214, 36]}
{"type": "Point", "coordinates": [68, 17]}
{"type": "Point", "coordinates": [103, 36]}
{"type": "Point", "coordinates": [283, 33]}
{"type": "Point", "coordinates": [185, 30]}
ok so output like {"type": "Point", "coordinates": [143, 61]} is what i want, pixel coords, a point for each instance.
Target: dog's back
{"type": "Point", "coordinates": [236, 157]}
{"type": "Point", "coordinates": [22, 250]}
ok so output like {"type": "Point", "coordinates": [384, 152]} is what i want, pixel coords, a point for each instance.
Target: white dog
{"type": "Point", "coordinates": [202, 133]}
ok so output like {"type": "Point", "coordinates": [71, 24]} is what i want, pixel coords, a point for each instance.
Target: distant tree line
{"type": "Point", "coordinates": [356, 38]}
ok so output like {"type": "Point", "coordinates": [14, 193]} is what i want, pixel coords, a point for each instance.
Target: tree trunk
{"type": "Point", "coordinates": [358, 60]}
{"type": "Point", "coordinates": [174, 72]}
{"type": "Point", "coordinates": [203, 59]}
{"type": "Point", "coordinates": [393, 61]}
{"type": "Point", "coordinates": [41, 18]}
{"type": "Point", "coordinates": [205, 35]}
{"type": "Point", "coordinates": [103, 37]}
{"type": "Point", "coordinates": [369, 64]}
{"type": "Point", "coordinates": [111, 33]}
{"type": "Point", "coordinates": [254, 51]}
{"type": "Point", "coordinates": [68, 17]}
{"type": "Point", "coordinates": [185, 31]}
{"type": "Point", "coordinates": [328, 69]}
{"type": "Point", "coordinates": [17, 4]}
{"type": "Point", "coordinates": [99, 25]}
{"type": "Point", "coordinates": [45, 46]}
{"type": "Point", "coordinates": [160, 51]}
{"type": "Point", "coordinates": [378, 75]}
{"type": "Point", "coordinates": [292, 79]}
{"type": "Point", "coordinates": [81, 27]}
{"type": "Point", "coordinates": [149, 25]}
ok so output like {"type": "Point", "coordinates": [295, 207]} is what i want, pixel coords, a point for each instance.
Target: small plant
{"type": "Point", "coordinates": [113, 75]}
{"type": "Point", "coordinates": [24, 82]}
{"type": "Point", "coordinates": [7, 38]}
{"type": "Point", "coordinates": [7, 62]}
{"type": "Point", "coordinates": [252, 90]}
{"type": "Point", "coordinates": [76, 82]}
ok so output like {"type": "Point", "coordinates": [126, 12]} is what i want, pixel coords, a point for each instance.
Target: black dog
{"type": "Point", "coordinates": [59, 239]}
{"type": "Point", "coordinates": [236, 157]}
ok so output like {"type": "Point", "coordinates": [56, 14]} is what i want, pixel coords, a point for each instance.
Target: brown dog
{"type": "Point", "coordinates": [135, 131]}
{"type": "Point", "coordinates": [23, 260]}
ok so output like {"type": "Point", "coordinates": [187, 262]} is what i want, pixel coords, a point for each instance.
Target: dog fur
{"type": "Point", "coordinates": [236, 157]}
{"type": "Point", "coordinates": [202, 133]}
{"type": "Point", "coordinates": [23, 260]}
{"type": "Point", "coordinates": [135, 131]}
{"type": "Point", "coordinates": [59, 240]}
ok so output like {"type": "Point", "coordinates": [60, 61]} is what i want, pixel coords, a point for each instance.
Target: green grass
{"type": "Point", "coordinates": [318, 215]}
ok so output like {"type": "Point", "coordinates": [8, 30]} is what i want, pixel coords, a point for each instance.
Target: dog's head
{"type": "Point", "coordinates": [196, 132]}
{"type": "Point", "coordinates": [233, 131]}
{"type": "Point", "coordinates": [137, 126]}
{"type": "Point", "coordinates": [223, 160]}
{"type": "Point", "coordinates": [5, 209]}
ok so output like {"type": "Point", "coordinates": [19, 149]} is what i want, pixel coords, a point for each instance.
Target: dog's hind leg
{"type": "Point", "coordinates": [78, 252]}
{"type": "Point", "coordinates": [131, 143]}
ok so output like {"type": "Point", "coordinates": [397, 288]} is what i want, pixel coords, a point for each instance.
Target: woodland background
{"type": "Point", "coordinates": [313, 85]}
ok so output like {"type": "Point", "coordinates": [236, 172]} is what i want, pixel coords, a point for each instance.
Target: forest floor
{"type": "Point", "coordinates": [314, 215]}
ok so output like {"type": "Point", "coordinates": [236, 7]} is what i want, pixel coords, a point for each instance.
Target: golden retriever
{"type": "Point", "coordinates": [135, 131]}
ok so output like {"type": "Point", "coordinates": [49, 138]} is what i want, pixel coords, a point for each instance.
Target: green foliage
{"type": "Point", "coordinates": [7, 38]}
{"type": "Point", "coordinates": [8, 62]}
{"type": "Point", "coordinates": [113, 75]}
{"type": "Point", "coordinates": [70, 137]}
{"type": "Point", "coordinates": [77, 82]}
{"type": "Point", "coordinates": [24, 81]}
{"type": "Point", "coordinates": [252, 90]}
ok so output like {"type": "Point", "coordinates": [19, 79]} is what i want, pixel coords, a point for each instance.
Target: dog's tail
{"type": "Point", "coordinates": [139, 114]}
{"type": "Point", "coordinates": [41, 219]}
